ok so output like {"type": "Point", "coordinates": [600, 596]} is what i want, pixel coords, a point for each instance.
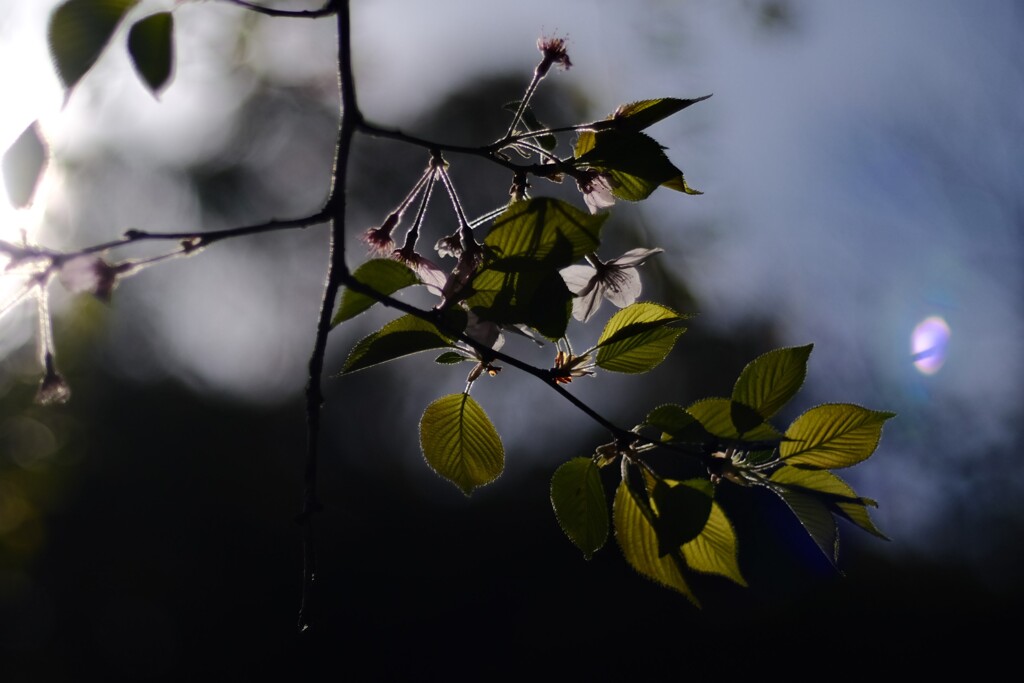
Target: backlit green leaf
{"type": "Point", "coordinates": [772, 379]}
{"type": "Point", "coordinates": [679, 185]}
{"type": "Point", "coordinates": [714, 550]}
{"type": "Point", "coordinates": [452, 357]}
{"type": "Point", "coordinates": [536, 298]}
{"type": "Point", "coordinates": [832, 491]}
{"type": "Point", "coordinates": [151, 47]}
{"type": "Point", "coordinates": [644, 113]}
{"type": "Point", "coordinates": [460, 443]}
{"type": "Point", "coordinates": [675, 424]}
{"type": "Point", "coordinates": [816, 518]}
{"type": "Point", "coordinates": [580, 506]}
{"type": "Point", "coordinates": [638, 338]}
{"type": "Point", "coordinates": [537, 228]}
{"type": "Point", "coordinates": [716, 415]}
{"type": "Point", "coordinates": [832, 436]}
{"type": "Point", "coordinates": [633, 161]}
{"type": "Point", "coordinates": [634, 532]}
{"type": "Point", "coordinates": [23, 166]}
{"type": "Point", "coordinates": [79, 31]}
{"type": "Point", "coordinates": [681, 510]}
{"type": "Point", "coordinates": [387, 276]}
{"type": "Point", "coordinates": [398, 338]}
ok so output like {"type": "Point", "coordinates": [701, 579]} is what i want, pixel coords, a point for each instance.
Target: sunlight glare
{"type": "Point", "coordinates": [928, 344]}
{"type": "Point", "coordinates": [30, 92]}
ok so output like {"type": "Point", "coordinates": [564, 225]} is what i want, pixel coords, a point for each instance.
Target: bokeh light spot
{"type": "Point", "coordinates": [928, 344]}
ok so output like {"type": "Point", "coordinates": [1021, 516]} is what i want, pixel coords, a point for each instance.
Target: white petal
{"type": "Point", "coordinates": [623, 288]}
{"type": "Point", "coordinates": [584, 307]}
{"type": "Point", "coordinates": [634, 257]}
{"type": "Point", "coordinates": [579, 279]}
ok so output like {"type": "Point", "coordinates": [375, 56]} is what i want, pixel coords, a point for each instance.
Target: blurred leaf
{"type": "Point", "coordinates": [638, 338]}
{"type": "Point", "coordinates": [460, 443]}
{"type": "Point", "coordinates": [714, 550]}
{"type": "Point", "coordinates": [151, 47]}
{"type": "Point", "coordinates": [387, 276]}
{"type": "Point", "coordinates": [639, 115]}
{"type": "Point", "coordinates": [832, 436]}
{"type": "Point", "coordinates": [79, 31]}
{"type": "Point", "coordinates": [833, 491]}
{"type": "Point", "coordinates": [398, 338]}
{"type": "Point", "coordinates": [635, 535]}
{"type": "Point", "coordinates": [536, 228]}
{"type": "Point", "coordinates": [681, 510]}
{"type": "Point", "coordinates": [580, 506]}
{"type": "Point", "coordinates": [23, 166]}
{"type": "Point", "coordinates": [769, 381]}
{"type": "Point", "coordinates": [716, 416]}
{"type": "Point", "coordinates": [634, 163]}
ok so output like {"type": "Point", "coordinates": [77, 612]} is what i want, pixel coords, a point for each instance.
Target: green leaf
{"type": "Point", "coordinates": [681, 510]}
{"type": "Point", "coordinates": [635, 535]}
{"type": "Point", "coordinates": [151, 47]}
{"type": "Point", "coordinates": [679, 185]}
{"type": "Point", "coordinates": [387, 276]}
{"type": "Point", "coordinates": [398, 338]}
{"type": "Point", "coordinates": [536, 298]}
{"type": "Point", "coordinates": [816, 518]}
{"type": "Point", "coordinates": [714, 550]}
{"type": "Point", "coordinates": [644, 113]}
{"type": "Point", "coordinates": [452, 357]}
{"type": "Point", "coordinates": [832, 436]}
{"type": "Point", "coordinates": [23, 166]}
{"type": "Point", "coordinates": [633, 161]}
{"type": "Point", "coordinates": [638, 338]}
{"type": "Point", "coordinates": [676, 424]}
{"type": "Point", "coordinates": [584, 143]}
{"type": "Point", "coordinates": [460, 443]}
{"type": "Point", "coordinates": [716, 415]}
{"type": "Point", "coordinates": [79, 31]}
{"type": "Point", "coordinates": [536, 229]}
{"type": "Point", "coordinates": [833, 491]}
{"type": "Point", "coordinates": [772, 379]}
{"type": "Point", "coordinates": [580, 506]}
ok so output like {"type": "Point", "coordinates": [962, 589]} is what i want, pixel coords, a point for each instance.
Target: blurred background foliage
{"type": "Point", "coordinates": [146, 527]}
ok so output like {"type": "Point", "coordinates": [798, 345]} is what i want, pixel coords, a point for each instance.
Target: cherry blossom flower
{"type": "Point", "coordinates": [596, 189]}
{"type": "Point", "coordinates": [616, 280]}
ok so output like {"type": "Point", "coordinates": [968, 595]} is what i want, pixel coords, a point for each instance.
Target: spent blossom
{"type": "Point", "coordinates": [554, 52]}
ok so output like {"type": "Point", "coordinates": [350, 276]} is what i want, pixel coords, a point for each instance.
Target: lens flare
{"type": "Point", "coordinates": [928, 344]}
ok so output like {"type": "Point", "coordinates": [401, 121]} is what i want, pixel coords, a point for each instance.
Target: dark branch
{"type": "Point", "coordinates": [337, 273]}
{"type": "Point", "coordinates": [329, 8]}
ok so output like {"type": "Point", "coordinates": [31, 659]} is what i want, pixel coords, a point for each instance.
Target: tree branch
{"type": "Point", "coordinates": [329, 8]}
{"type": "Point", "coordinates": [337, 273]}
